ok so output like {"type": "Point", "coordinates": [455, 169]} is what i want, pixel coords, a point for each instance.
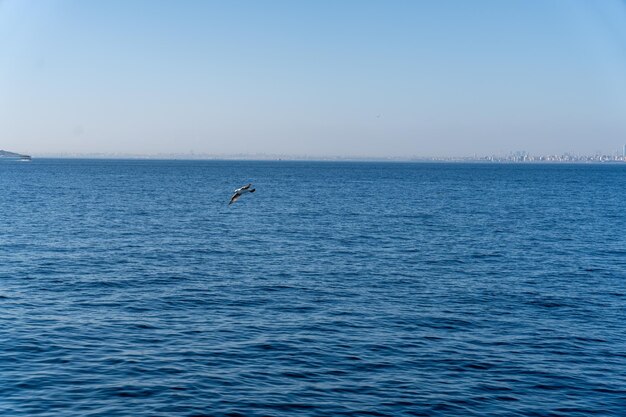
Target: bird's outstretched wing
{"type": "Point", "coordinates": [245, 187]}
{"type": "Point", "coordinates": [234, 198]}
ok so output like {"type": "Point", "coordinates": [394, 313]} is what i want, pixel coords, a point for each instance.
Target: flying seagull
{"type": "Point", "coordinates": [240, 191]}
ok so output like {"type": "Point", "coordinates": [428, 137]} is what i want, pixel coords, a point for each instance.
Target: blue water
{"type": "Point", "coordinates": [130, 288]}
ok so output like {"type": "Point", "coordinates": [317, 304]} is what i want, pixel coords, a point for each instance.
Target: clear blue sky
{"type": "Point", "coordinates": [360, 78]}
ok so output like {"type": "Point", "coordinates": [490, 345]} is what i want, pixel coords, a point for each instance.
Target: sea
{"type": "Point", "coordinates": [132, 288]}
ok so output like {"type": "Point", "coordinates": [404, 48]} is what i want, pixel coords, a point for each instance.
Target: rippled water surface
{"type": "Point", "coordinates": [130, 288]}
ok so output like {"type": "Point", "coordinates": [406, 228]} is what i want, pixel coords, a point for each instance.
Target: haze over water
{"type": "Point", "coordinates": [131, 288]}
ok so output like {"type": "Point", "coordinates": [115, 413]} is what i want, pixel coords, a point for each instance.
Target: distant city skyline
{"type": "Point", "coordinates": [363, 79]}
{"type": "Point", "coordinates": [517, 156]}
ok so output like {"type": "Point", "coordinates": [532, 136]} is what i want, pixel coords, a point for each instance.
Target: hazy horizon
{"type": "Point", "coordinates": [310, 157]}
{"type": "Point", "coordinates": [355, 79]}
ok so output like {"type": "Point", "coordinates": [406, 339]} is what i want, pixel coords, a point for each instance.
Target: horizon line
{"type": "Point", "coordinates": [519, 156]}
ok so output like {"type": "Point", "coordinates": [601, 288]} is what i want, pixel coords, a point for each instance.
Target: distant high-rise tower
{"type": "Point", "coordinates": [624, 151]}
